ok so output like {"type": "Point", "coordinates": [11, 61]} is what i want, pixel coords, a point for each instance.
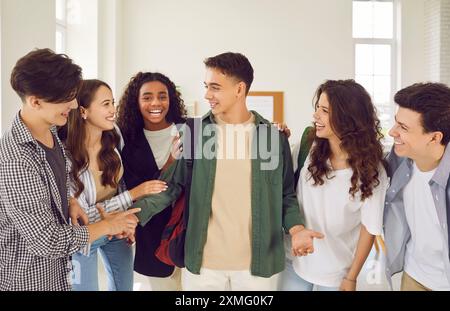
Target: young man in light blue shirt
{"type": "Point", "coordinates": [416, 216]}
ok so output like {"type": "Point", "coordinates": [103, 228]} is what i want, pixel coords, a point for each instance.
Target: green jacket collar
{"type": "Point", "coordinates": [209, 118]}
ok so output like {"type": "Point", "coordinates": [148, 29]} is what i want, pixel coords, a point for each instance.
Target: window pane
{"type": "Point", "coordinates": [384, 113]}
{"type": "Point", "coordinates": [381, 89]}
{"type": "Point", "coordinates": [364, 59]}
{"type": "Point", "coordinates": [367, 82]}
{"type": "Point", "coordinates": [61, 10]}
{"type": "Point", "coordinates": [382, 59]}
{"type": "Point", "coordinates": [373, 19]}
{"type": "Point", "coordinates": [383, 20]}
{"type": "Point", "coordinates": [362, 19]}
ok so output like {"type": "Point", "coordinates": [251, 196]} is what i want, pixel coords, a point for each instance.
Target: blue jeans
{"type": "Point", "coordinates": [117, 258]}
{"type": "Point", "coordinates": [291, 281]}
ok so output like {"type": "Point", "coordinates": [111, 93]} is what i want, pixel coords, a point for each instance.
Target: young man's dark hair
{"type": "Point", "coordinates": [51, 77]}
{"type": "Point", "coordinates": [432, 101]}
{"type": "Point", "coordinates": [234, 65]}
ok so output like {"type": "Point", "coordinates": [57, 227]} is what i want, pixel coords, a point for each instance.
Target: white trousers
{"type": "Point", "coordinates": [218, 280]}
{"type": "Point", "coordinates": [170, 283]}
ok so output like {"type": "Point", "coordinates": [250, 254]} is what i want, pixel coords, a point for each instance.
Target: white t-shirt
{"type": "Point", "coordinates": [331, 210]}
{"type": "Point", "coordinates": [423, 258]}
{"type": "Point", "coordinates": [161, 143]}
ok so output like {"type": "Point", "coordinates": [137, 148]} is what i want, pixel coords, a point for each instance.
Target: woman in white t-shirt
{"type": "Point", "coordinates": [341, 189]}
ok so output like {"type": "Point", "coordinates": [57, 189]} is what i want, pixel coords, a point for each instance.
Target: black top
{"type": "Point", "coordinates": [140, 166]}
{"type": "Point", "coordinates": [55, 158]}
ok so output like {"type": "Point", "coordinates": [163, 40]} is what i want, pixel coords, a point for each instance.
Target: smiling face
{"type": "Point", "coordinates": [154, 105]}
{"type": "Point", "coordinates": [222, 91]}
{"type": "Point", "coordinates": [101, 112]}
{"type": "Point", "coordinates": [410, 139]}
{"type": "Point", "coordinates": [322, 118]}
{"type": "Point", "coordinates": [56, 114]}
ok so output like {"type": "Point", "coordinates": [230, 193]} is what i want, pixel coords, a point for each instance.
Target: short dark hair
{"type": "Point", "coordinates": [49, 76]}
{"type": "Point", "coordinates": [432, 101]}
{"type": "Point", "coordinates": [233, 64]}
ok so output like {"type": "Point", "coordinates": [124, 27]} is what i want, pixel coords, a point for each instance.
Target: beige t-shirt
{"type": "Point", "coordinates": [228, 244]}
{"type": "Point", "coordinates": [104, 193]}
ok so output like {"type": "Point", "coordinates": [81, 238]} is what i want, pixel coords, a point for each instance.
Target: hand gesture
{"type": "Point", "coordinates": [175, 152]}
{"type": "Point", "coordinates": [77, 213]}
{"type": "Point", "coordinates": [302, 241]}
{"type": "Point", "coordinates": [282, 127]}
{"type": "Point", "coordinates": [147, 188]}
{"type": "Point", "coordinates": [119, 222]}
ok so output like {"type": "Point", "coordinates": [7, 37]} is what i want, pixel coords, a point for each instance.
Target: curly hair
{"type": "Point", "coordinates": [354, 120]}
{"type": "Point", "coordinates": [130, 120]}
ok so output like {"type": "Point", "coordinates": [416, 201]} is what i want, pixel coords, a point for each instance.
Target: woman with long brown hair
{"type": "Point", "coordinates": [96, 178]}
{"type": "Point", "coordinates": [341, 189]}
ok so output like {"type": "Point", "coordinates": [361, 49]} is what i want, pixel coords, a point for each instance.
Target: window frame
{"type": "Point", "coordinates": [392, 42]}
{"type": "Point", "coordinates": [61, 27]}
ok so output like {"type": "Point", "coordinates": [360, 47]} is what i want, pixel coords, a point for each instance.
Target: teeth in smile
{"type": "Point", "coordinates": [155, 111]}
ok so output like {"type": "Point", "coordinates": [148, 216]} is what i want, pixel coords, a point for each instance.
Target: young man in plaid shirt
{"type": "Point", "coordinates": [36, 239]}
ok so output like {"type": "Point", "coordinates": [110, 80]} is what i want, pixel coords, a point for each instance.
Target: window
{"type": "Point", "coordinates": [61, 26]}
{"type": "Point", "coordinates": [374, 34]}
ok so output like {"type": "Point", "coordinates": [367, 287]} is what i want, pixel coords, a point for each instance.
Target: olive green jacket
{"type": "Point", "coordinates": [274, 202]}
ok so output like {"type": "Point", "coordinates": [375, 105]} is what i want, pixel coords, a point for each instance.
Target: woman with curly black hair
{"type": "Point", "coordinates": [341, 188]}
{"type": "Point", "coordinates": [149, 109]}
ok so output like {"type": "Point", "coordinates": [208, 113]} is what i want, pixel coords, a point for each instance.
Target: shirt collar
{"type": "Point", "coordinates": [443, 170]}
{"type": "Point", "coordinates": [258, 118]}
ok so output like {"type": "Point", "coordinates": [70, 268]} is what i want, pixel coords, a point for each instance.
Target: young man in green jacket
{"type": "Point", "coordinates": [242, 193]}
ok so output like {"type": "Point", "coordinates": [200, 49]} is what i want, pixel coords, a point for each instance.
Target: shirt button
{"type": "Point", "coordinates": [437, 198]}
{"type": "Point", "coordinates": [393, 191]}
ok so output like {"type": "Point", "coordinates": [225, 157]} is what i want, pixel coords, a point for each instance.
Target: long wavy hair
{"type": "Point", "coordinates": [130, 120]}
{"type": "Point", "coordinates": [76, 137]}
{"type": "Point", "coordinates": [354, 120]}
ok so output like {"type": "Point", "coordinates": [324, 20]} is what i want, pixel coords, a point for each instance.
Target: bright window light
{"type": "Point", "coordinates": [373, 19]}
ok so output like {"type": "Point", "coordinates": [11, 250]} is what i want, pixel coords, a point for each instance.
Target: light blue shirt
{"type": "Point", "coordinates": [396, 229]}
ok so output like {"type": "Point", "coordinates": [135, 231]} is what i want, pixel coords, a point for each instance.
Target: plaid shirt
{"type": "Point", "coordinates": [36, 240]}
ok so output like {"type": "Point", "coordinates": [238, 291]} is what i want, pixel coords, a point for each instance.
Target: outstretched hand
{"type": "Point", "coordinates": [119, 222]}
{"type": "Point", "coordinates": [303, 241]}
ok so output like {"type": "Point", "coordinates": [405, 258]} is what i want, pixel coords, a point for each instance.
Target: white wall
{"type": "Point", "coordinates": [293, 45]}
{"type": "Point", "coordinates": [437, 40]}
{"type": "Point", "coordinates": [412, 48]}
{"type": "Point", "coordinates": [110, 43]}
{"type": "Point", "coordinates": [25, 25]}
{"type": "Point", "coordinates": [82, 35]}
{"type": "Point", "coordinates": [432, 28]}
{"type": "Point", "coordinates": [445, 41]}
